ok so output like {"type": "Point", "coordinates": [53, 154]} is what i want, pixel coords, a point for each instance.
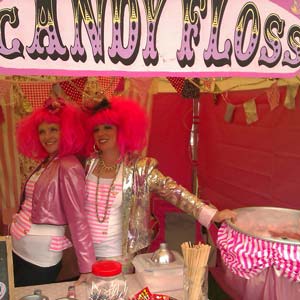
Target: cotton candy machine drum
{"type": "Point", "coordinates": [275, 224]}
{"type": "Point", "coordinates": [263, 242]}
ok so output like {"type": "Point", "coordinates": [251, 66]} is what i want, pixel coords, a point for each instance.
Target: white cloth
{"type": "Point", "coordinates": [41, 245]}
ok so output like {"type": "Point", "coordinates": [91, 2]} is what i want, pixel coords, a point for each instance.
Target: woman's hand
{"type": "Point", "coordinates": [225, 214]}
{"type": "Point", "coordinates": [84, 278]}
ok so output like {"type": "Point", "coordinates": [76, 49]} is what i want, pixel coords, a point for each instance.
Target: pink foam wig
{"type": "Point", "coordinates": [72, 132]}
{"type": "Point", "coordinates": [129, 118]}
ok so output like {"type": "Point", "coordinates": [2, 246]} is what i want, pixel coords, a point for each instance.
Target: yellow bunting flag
{"type": "Point", "coordinates": [229, 113]}
{"type": "Point", "coordinates": [273, 95]}
{"type": "Point", "coordinates": [291, 92]}
{"type": "Point", "coordinates": [250, 111]}
{"type": "Point", "coordinates": [208, 85]}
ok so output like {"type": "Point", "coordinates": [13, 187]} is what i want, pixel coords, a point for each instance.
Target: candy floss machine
{"type": "Point", "coordinates": [260, 253]}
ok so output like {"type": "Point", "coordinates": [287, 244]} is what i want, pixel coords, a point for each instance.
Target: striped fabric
{"type": "Point", "coordinates": [21, 224]}
{"type": "Point", "coordinates": [10, 180]}
{"type": "Point", "coordinates": [247, 256]}
{"type": "Point", "coordinates": [99, 230]}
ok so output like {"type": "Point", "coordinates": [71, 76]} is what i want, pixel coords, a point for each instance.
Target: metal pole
{"type": "Point", "coordinates": [194, 140]}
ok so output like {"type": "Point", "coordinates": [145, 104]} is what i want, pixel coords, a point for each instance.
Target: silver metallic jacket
{"type": "Point", "coordinates": [140, 178]}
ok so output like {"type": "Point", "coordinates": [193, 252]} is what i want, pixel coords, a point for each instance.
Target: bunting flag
{"type": "Point", "coordinates": [120, 86]}
{"type": "Point", "coordinates": [177, 83]}
{"type": "Point", "coordinates": [230, 108]}
{"type": "Point", "coordinates": [208, 85]}
{"type": "Point", "coordinates": [191, 88]}
{"type": "Point", "coordinates": [250, 111]}
{"type": "Point", "coordinates": [273, 96]}
{"type": "Point", "coordinates": [108, 85]}
{"type": "Point", "coordinates": [291, 92]}
{"type": "Point", "coordinates": [74, 88]}
{"type": "Point", "coordinates": [36, 92]}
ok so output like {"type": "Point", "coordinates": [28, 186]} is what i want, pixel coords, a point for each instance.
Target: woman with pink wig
{"type": "Point", "coordinates": [119, 182]}
{"type": "Point", "coordinates": [53, 196]}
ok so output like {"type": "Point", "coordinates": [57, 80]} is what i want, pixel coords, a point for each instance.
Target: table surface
{"type": "Point", "coordinates": [59, 290]}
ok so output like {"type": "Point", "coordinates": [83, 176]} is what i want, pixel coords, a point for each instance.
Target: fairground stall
{"type": "Point", "coordinates": [219, 81]}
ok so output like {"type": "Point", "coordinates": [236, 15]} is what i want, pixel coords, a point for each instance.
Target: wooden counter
{"type": "Point", "coordinates": [59, 290]}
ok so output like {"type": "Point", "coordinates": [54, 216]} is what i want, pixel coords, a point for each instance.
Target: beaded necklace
{"type": "Point", "coordinates": [105, 167]}
{"type": "Point", "coordinates": [111, 189]}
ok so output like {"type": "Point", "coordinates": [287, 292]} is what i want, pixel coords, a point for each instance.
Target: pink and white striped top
{"type": "Point", "coordinates": [111, 226]}
{"type": "Point", "coordinates": [22, 226]}
{"type": "Point", "coordinates": [247, 256]}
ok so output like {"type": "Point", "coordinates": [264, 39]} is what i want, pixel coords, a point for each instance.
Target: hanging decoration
{"type": "Point", "coordinates": [120, 87]}
{"type": "Point", "coordinates": [191, 88]}
{"type": "Point", "coordinates": [273, 96]}
{"type": "Point", "coordinates": [230, 108]}
{"type": "Point", "coordinates": [36, 92]}
{"type": "Point", "coordinates": [208, 85]}
{"type": "Point", "coordinates": [108, 85]}
{"type": "Point", "coordinates": [177, 83]}
{"type": "Point", "coordinates": [291, 92]}
{"type": "Point", "coordinates": [74, 88]}
{"type": "Point", "coordinates": [56, 91]}
{"type": "Point", "coordinates": [250, 111]}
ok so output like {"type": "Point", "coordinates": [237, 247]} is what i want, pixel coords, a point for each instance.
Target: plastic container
{"type": "Point", "coordinates": [107, 282]}
{"type": "Point", "coordinates": [159, 277]}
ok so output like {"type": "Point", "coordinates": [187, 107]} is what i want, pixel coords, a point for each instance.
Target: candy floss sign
{"type": "Point", "coordinates": [188, 38]}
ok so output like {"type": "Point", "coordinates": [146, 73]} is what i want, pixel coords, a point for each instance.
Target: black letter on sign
{"type": "Point", "coordinates": [46, 25]}
{"type": "Point", "coordinates": [249, 13]}
{"type": "Point", "coordinates": [212, 55]}
{"type": "Point", "coordinates": [83, 11]}
{"type": "Point", "coordinates": [273, 22]}
{"type": "Point", "coordinates": [294, 45]}
{"type": "Point", "coordinates": [150, 53]}
{"type": "Point", "coordinates": [190, 30]}
{"type": "Point", "coordinates": [11, 16]}
{"type": "Point", "coordinates": [118, 52]}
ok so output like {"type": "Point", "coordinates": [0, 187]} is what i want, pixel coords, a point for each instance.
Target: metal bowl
{"type": "Point", "coordinates": [37, 295]}
{"type": "Point", "coordinates": [163, 255]}
{"type": "Point", "coordinates": [274, 224]}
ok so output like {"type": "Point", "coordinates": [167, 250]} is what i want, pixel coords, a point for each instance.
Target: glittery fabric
{"type": "Point", "coordinates": [140, 178]}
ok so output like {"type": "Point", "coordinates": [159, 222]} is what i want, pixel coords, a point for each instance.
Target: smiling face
{"type": "Point", "coordinates": [49, 135]}
{"type": "Point", "coordinates": [105, 136]}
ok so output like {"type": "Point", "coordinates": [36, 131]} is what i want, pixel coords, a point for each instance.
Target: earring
{"type": "Point", "coordinates": [96, 150]}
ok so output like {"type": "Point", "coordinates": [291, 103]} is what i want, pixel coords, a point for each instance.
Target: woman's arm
{"type": "Point", "coordinates": [72, 188]}
{"type": "Point", "coordinates": [168, 189]}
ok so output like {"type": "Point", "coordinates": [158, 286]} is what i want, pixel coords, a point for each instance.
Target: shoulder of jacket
{"type": "Point", "coordinates": [69, 161]}
{"type": "Point", "coordinates": [146, 163]}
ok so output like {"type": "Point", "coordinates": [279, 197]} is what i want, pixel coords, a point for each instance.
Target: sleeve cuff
{"type": "Point", "coordinates": [206, 215]}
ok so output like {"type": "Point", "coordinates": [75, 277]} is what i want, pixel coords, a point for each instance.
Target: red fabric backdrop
{"type": "Point", "coordinates": [239, 164]}
{"type": "Point", "coordinates": [248, 165]}
{"type": "Point", "coordinates": [168, 143]}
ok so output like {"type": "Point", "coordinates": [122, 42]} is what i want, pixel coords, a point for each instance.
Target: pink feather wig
{"type": "Point", "coordinates": [72, 132]}
{"type": "Point", "coordinates": [129, 118]}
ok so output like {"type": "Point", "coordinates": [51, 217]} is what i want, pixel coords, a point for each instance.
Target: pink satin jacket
{"type": "Point", "coordinates": [58, 199]}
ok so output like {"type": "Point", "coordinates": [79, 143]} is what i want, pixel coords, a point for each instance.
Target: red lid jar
{"type": "Point", "coordinates": [107, 268]}
{"type": "Point", "coordinates": [107, 279]}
